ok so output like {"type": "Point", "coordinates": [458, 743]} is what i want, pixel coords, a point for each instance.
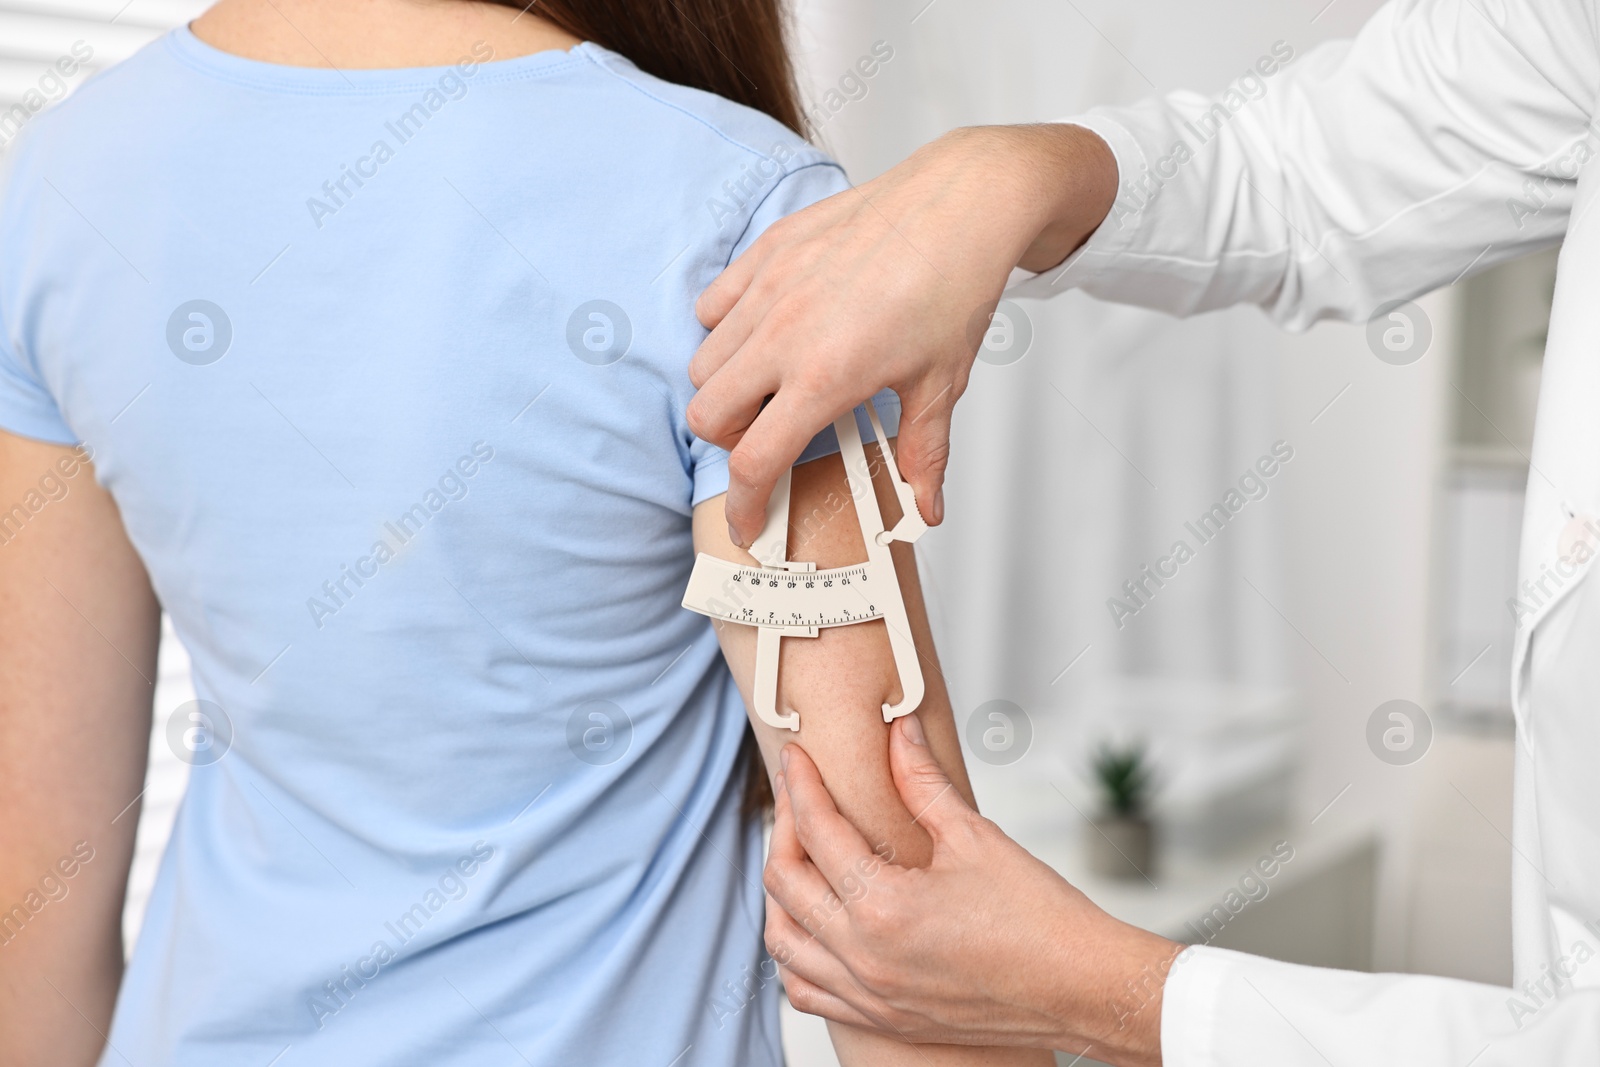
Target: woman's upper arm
{"type": "Point", "coordinates": [77, 671]}
{"type": "Point", "coordinates": [839, 681]}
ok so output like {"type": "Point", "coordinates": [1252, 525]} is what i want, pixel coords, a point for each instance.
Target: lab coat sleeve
{"type": "Point", "coordinates": [1446, 137]}
{"type": "Point", "coordinates": [1227, 1009]}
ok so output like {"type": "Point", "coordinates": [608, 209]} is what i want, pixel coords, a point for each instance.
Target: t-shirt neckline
{"type": "Point", "coordinates": [210, 60]}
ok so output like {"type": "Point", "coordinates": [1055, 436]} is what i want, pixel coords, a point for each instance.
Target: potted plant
{"type": "Point", "coordinates": [1121, 841]}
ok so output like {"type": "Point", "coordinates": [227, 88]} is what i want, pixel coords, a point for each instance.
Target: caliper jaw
{"type": "Point", "coordinates": [911, 525]}
{"type": "Point", "coordinates": [771, 550]}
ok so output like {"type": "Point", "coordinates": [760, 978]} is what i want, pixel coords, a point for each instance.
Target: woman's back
{"type": "Point", "coordinates": [386, 371]}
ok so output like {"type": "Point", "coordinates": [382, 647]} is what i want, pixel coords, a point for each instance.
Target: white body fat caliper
{"type": "Point", "coordinates": [786, 599]}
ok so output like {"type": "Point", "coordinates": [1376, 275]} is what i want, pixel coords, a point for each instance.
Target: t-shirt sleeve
{"type": "Point", "coordinates": [800, 188]}
{"type": "Point", "coordinates": [26, 407]}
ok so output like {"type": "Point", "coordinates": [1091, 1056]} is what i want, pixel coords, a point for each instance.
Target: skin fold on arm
{"type": "Point", "coordinates": [838, 682]}
{"type": "Point", "coordinates": [77, 667]}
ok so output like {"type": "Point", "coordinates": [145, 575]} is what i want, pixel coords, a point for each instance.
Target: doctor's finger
{"type": "Point", "coordinates": [923, 450]}
{"type": "Point", "coordinates": [729, 401]}
{"type": "Point", "coordinates": [729, 333]}
{"type": "Point", "coordinates": [730, 286]}
{"type": "Point", "coordinates": [768, 448]}
{"type": "Point", "coordinates": [835, 846]}
{"type": "Point", "coordinates": [791, 879]}
{"type": "Point", "coordinates": [804, 957]}
{"type": "Point", "coordinates": [734, 372]}
{"type": "Point", "coordinates": [924, 785]}
{"type": "Point", "coordinates": [814, 1000]}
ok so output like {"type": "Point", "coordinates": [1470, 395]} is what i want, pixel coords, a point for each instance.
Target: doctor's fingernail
{"type": "Point", "coordinates": [938, 506]}
{"type": "Point", "coordinates": [733, 535]}
{"type": "Point", "coordinates": [783, 758]}
{"type": "Point", "coordinates": [778, 784]}
{"type": "Point", "coordinates": [913, 730]}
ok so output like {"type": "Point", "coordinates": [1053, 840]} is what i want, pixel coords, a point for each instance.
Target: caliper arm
{"type": "Point", "coordinates": [771, 548]}
{"type": "Point", "coordinates": [877, 541]}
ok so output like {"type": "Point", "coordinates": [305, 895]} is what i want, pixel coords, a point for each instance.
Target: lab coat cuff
{"type": "Point", "coordinates": [1189, 1010]}
{"type": "Point", "coordinates": [1111, 238]}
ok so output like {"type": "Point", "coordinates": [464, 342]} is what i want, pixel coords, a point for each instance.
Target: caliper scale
{"type": "Point", "coordinates": [782, 598]}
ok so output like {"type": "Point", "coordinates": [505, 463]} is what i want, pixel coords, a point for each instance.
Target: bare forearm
{"type": "Point", "coordinates": [76, 667]}
{"type": "Point", "coordinates": [1004, 196]}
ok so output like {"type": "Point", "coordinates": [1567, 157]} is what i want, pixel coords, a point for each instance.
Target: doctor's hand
{"type": "Point", "coordinates": [986, 945]}
{"type": "Point", "coordinates": [888, 285]}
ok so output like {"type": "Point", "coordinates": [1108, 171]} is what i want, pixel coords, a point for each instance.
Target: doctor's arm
{"type": "Point", "coordinates": [1447, 137]}
{"type": "Point", "coordinates": [837, 683]}
{"type": "Point", "coordinates": [988, 944]}
{"type": "Point", "coordinates": [77, 660]}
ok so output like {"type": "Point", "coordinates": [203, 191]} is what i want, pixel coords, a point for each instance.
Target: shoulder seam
{"type": "Point", "coordinates": [701, 119]}
{"type": "Point", "coordinates": [820, 158]}
{"type": "Point", "coordinates": [779, 184]}
{"type": "Point", "coordinates": [90, 86]}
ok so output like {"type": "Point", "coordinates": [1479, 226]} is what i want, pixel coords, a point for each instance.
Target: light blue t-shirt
{"type": "Point", "coordinates": [386, 371]}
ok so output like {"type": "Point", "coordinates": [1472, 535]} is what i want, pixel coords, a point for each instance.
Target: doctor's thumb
{"type": "Point", "coordinates": [925, 789]}
{"type": "Point", "coordinates": [923, 452]}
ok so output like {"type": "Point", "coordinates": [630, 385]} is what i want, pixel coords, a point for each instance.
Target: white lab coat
{"type": "Point", "coordinates": [1448, 136]}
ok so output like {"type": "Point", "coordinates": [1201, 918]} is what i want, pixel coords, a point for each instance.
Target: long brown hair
{"type": "Point", "coordinates": [734, 48]}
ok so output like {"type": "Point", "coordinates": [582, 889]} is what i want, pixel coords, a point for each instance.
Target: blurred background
{"type": "Point", "coordinates": [1323, 680]}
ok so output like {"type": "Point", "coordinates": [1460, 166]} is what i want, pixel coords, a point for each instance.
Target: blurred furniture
{"type": "Point", "coordinates": [1223, 754]}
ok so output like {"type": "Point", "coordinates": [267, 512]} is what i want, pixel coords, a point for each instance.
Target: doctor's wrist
{"type": "Point", "coordinates": [1111, 1003]}
{"type": "Point", "coordinates": [1070, 176]}
{"type": "Point", "coordinates": [1035, 191]}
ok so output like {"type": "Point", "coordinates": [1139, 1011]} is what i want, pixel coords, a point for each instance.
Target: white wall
{"type": "Point", "coordinates": [1361, 535]}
